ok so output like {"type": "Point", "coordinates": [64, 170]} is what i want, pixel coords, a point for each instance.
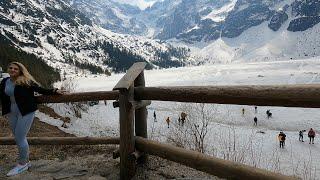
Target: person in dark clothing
{"type": "Point", "coordinates": [179, 120]}
{"type": "Point", "coordinates": [282, 139]}
{"type": "Point", "coordinates": [269, 114]}
{"type": "Point", "coordinates": [154, 116]}
{"type": "Point", "coordinates": [168, 121]}
{"type": "Point", "coordinates": [301, 136]}
{"type": "Point", "coordinates": [19, 106]}
{"type": "Point", "coordinates": [311, 135]}
{"type": "Point", "coordinates": [255, 109]}
{"type": "Point", "coordinates": [183, 118]}
{"type": "Point", "coordinates": [255, 119]}
{"type": "Point", "coordinates": [243, 111]}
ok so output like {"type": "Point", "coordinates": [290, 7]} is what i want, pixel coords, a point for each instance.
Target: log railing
{"type": "Point", "coordinates": [132, 97]}
{"type": "Point", "coordinates": [62, 140]}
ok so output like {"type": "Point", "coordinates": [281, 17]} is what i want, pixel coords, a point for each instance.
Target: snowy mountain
{"type": "Point", "coordinates": [205, 20]}
{"type": "Point", "coordinates": [63, 36]}
{"type": "Point", "coordinates": [234, 30]}
{"type": "Point", "coordinates": [112, 15]}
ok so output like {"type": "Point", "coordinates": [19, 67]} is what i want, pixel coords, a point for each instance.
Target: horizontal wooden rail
{"type": "Point", "coordinates": [77, 97]}
{"type": "Point", "coordinates": [62, 140]}
{"type": "Point", "coordinates": [276, 95]}
{"type": "Point", "coordinates": [205, 163]}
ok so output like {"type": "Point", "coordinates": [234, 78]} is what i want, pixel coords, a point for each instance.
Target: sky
{"type": "Point", "coordinates": [142, 4]}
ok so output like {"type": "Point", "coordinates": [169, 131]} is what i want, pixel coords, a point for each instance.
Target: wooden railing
{"type": "Point", "coordinates": [132, 97]}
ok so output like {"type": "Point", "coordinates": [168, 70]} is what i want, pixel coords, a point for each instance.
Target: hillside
{"type": "Point", "coordinates": [65, 38]}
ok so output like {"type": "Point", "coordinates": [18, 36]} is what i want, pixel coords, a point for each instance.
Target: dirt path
{"type": "Point", "coordinates": [81, 162]}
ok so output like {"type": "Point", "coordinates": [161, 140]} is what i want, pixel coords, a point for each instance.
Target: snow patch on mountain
{"type": "Point", "coordinates": [261, 44]}
{"type": "Point", "coordinates": [220, 14]}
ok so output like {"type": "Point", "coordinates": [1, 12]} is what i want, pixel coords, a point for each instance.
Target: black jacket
{"type": "Point", "coordinates": [24, 96]}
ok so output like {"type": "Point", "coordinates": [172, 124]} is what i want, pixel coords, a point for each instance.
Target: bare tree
{"type": "Point", "coordinates": [75, 108]}
{"type": "Point", "coordinates": [192, 133]}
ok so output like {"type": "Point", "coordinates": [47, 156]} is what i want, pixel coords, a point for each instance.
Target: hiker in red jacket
{"type": "Point", "coordinates": [311, 135]}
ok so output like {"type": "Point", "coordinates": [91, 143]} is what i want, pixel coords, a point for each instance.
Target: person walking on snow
{"type": "Point", "coordinates": [155, 116]}
{"type": "Point", "coordinates": [282, 139]}
{"type": "Point", "coordinates": [168, 121]}
{"type": "Point", "coordinates": [183, 117]}
{"type": "Point", "coordinates": [301, 135]}
{"type": "Point", "coordinates": [255, 119]}
{"type": "Point", "coordinates": [243, 111]}
{"type": "Point", "coordinates": [311, 135]}
{"type": "Point", "coordinates": [255, 109]}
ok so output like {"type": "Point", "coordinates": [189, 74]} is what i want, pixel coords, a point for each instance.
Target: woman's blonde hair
{"type": "Point", "coordinates": [24, 78]}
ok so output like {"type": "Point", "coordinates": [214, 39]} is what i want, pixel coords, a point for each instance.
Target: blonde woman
{"type": "Point", "coordinates": [19, 105]}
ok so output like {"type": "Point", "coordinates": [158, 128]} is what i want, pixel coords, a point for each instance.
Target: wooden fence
{"type": "Point", "coordinates": [132, 97]}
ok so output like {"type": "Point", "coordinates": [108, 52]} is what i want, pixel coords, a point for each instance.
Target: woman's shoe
{"type": "Point", "coordinates": [18, 169]}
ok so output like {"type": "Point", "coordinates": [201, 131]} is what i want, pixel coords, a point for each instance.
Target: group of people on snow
{"type": "Point", "coordinates": [255, 119]}
{"type": "Point", "coordinates": [282, 135]}
{"type": "Point", "coordinates": [181, 119]}
{"type": "Point", "coordinates": [311, 135]}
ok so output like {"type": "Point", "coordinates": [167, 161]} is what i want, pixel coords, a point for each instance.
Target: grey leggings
{"type": "Point", "coordinates": [20, 126]}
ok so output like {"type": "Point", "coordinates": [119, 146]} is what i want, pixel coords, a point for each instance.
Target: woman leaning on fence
{"type": "Point", "coordinates": [19, 106]}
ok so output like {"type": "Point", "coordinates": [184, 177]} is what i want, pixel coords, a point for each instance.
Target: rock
{"type": "Point", "coordinates": [277, 20]}
{"type": "Point", "coordinates": [303, 23]}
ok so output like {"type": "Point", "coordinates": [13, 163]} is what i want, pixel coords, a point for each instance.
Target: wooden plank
{"type": "Point", "coordinates": [78, 97]}
{"type": "Point", "coordinates": [62, 140]}
{"type": "Point", "coordinates": [205, 163]}
{"type": "Point", "coordinates": [141, 115]}
{"type": "Point", "coordinates": [127, 143]}
{"type": "Point", "coordinates": [128, 79]}
{"type": "Point", "coordinates": [283, 95]}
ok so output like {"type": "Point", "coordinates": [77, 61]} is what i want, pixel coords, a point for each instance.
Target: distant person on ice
{"type": "Point", "coordinates": [311, 135]}
{"type": "Point", "coordinates": [255, 109]}
{"type": "Point", "coordinates": [168, 121]}
{"type": "Point", "coordinates": [154, 116]}
{"type": "Point", "coordinates": [183, 118]}
{"type": "Point", "coordinates": [301, 135]}
{"type": "Point", "coordinates": [269, 114]}
{"type": "Point", "coordinates": [243, 111]}
{"type": "Point", "coordinates": [255, 119]}
{"type": "Point", "coordinates": [282, 139]}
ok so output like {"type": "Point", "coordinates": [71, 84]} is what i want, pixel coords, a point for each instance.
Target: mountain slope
{"type": "Point", "coordinates": [64, 38]}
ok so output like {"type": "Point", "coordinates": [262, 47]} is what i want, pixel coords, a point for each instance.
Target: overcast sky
{"type": "Point", "coordinates": [140, 3]}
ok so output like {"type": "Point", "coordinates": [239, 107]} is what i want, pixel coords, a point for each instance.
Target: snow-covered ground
{"type": "Point", "coordinates": [231, 135]}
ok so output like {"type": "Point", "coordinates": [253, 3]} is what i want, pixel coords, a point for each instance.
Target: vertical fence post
{"type": "Point", "coordinates": [141, 115]}
{"type": "Point", "coordinates": [127, 106]}
{"type": "Point", "coordinates": [127, 146]}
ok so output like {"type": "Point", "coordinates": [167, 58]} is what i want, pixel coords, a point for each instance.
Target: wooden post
{"type": "Point", "coordinates": [127, 142]}
{"type": "Point", "coordinates": [141, 115]}
{"type": "Point", "coordinates": [127, 109]}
